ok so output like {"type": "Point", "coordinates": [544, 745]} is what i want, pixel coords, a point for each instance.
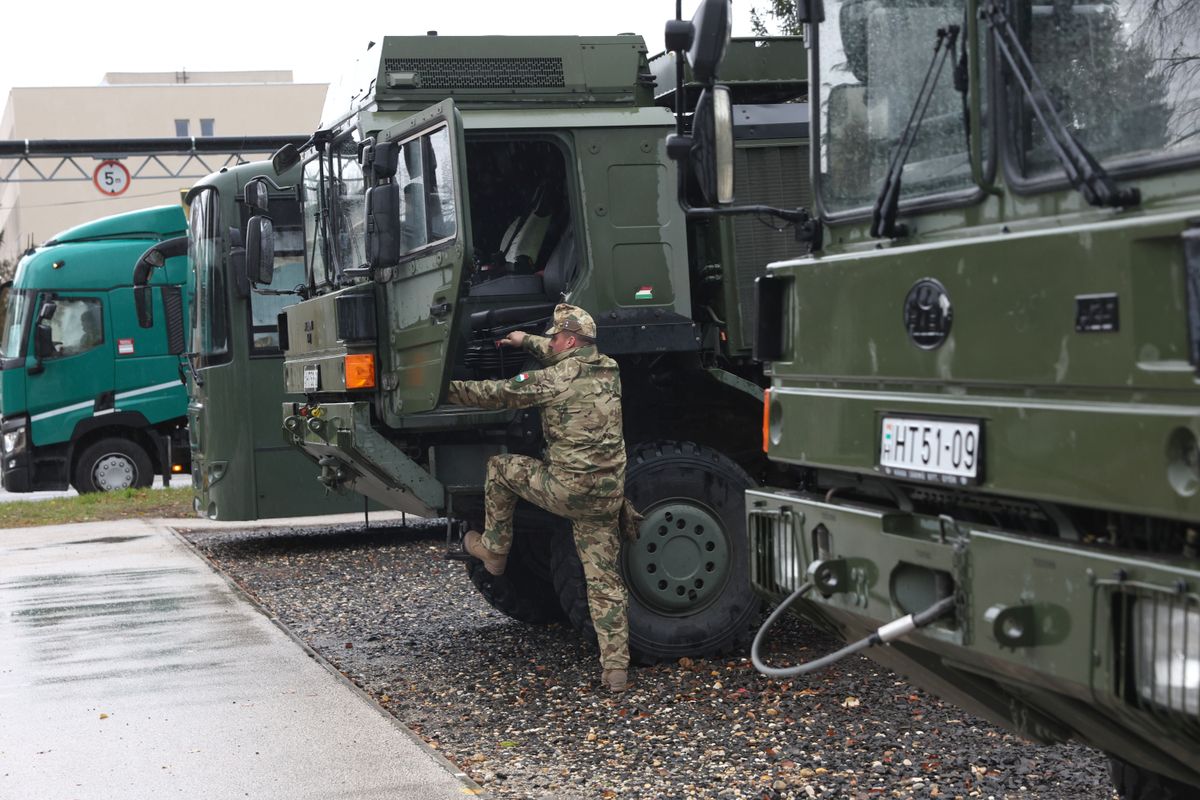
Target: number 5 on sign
{"type": "Point", "coordinates": [111, 178]}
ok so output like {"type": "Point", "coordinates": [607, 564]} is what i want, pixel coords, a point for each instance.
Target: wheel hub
{"type": "Point", "coordinates": [114, 471]}
{"type": "Point", "coordinates": [680, 561]}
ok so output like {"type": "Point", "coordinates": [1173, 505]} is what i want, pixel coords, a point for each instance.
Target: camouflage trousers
{"type": "Point", "coordinates": [594, 522]}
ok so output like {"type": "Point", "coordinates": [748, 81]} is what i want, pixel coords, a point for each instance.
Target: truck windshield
{"type": "Point", "coordinates": [16, 321]}
{"type": "Point", "coordinates": [210, 311]}
{"type": "Point", "coordinates": [334, 217]}
{"type": "Point", "coordinates": [874, 56]}
{"type": "Point", "coordinates": [1124, 75]}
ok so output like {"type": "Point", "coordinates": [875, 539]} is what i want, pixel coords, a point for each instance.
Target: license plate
{"type": "Point", "coordinates": [944, 451]}
{"type": "Point", "coordinates": [312, 378]}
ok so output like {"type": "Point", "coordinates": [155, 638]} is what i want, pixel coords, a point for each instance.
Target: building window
{"type": "Point", "coordinates": [181, 127]}
{"type": "Point", "coordinates": [206, 127]}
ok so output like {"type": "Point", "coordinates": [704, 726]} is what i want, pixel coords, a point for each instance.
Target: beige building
{"type": "Point", "coordinates": [134, 105]}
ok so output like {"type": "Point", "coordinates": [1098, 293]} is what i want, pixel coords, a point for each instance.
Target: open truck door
{"type": "Point", "coordinates": [381, 348]}
{"type": "Point", "coordinates": [425, 238]}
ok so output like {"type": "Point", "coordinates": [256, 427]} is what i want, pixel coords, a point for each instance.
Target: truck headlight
{"type": "Point", "coordinates": [1168, 656]}
{"type": "Point", "coordinates": [14, 442]}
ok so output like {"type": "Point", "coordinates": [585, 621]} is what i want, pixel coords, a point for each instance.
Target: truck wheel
{"type": "Point", "coordinates": [525, 591]}
{"type": "Point", "coordinates": [112, 464]}
{"type": "Point", "coordinates": [1135, 783]}
{"type": "Point", "coordinates": [688, 572]}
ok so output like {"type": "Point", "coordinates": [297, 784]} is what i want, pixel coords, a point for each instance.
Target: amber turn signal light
{"type": "Point", "coordinates": [766, 418]}
{"type": "Point", "coordinates": [360, 371]}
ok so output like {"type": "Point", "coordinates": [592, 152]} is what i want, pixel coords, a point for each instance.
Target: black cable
{"type": "Point", "coordinates": [885, 633]}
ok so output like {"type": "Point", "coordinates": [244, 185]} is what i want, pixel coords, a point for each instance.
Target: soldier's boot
{"type": "Point", "coordinates": [492, 562]}
{"type": "Point", "coordinates": [615, 680]}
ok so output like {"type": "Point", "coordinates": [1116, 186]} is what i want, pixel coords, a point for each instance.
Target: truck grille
{"type": "Point", "coordinates": [482, 73]}
{"type": "Point", "coordinates": [776, 176]}
{"type": "Point", "coordinates": [776, 558]}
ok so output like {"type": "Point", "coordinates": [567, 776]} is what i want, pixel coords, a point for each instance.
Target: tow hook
{"type": "Point", "coordinates": [829, 576]}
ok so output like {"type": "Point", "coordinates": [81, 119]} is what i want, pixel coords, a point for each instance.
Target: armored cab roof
{"type": "Point", "coordinates": [146, 223]}
{"type": "Point", "coordinates": [763, 69]}
{"type": "Point", "coordinates": [411, 72]}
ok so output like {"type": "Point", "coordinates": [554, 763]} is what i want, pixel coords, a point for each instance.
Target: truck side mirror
{"type": "Point", "coordinates": [154, 257]}
{"type": "Point", "coordinates": [710, 36]}
{"type": "Point", "coordinates": [383, 225]}
{"type": "Point", "coordinates": [43, 343]}
{"type": "Point", "coordinates": [260, 250]}
{"type": "Point", "coordinates": [712, 145]}
{"type": "Point", "coordinates": [256, 194]}
{"type": "Point", "coordinates": [143, 303]}
{"type": "Point", "coordinates": [285, 158]}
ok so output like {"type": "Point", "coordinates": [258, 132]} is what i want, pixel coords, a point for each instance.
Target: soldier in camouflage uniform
{"type": "Point", "coordinates": [583, 476]}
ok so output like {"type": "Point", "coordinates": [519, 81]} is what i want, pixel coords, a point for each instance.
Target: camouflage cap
{"type": "Point", "coordinates": [572, 319]}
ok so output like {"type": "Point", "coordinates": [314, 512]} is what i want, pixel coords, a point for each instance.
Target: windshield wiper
{"type": "Point", "coordinates": [883, 213]}
{"type": "Point", "coordinates": [1080, 166]}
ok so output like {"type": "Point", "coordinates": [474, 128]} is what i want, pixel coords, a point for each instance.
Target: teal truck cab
{"type": "Point", "coordinates": [89, 398]}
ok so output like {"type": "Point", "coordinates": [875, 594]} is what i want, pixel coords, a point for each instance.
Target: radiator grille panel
{"type": "Point", "coordinates": [776, 176]}
{"type": "Point", "coordinates": [482, 73]}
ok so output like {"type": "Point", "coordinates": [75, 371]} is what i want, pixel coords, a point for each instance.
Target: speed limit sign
{"type": "Point", "coordinates": [111, 178]}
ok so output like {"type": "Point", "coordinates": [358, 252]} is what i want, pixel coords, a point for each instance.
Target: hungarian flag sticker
{"type": "Point", "coordinates": [524, 376]}
{"type": "Point", "coordinates": [644, 293]}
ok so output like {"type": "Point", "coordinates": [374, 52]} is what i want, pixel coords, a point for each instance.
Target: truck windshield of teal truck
{"type": "Point", "coordinates": [16, 321]}
{"type": "Point", "coordinates": [210, 312]}
{"type": "Point", "coordinates": [1124, 75]}
{"type": "Point", "coordinates": [873, 58]}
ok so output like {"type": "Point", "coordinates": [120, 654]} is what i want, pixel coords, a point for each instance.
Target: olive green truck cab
{"type": "Point", "coordinates": [984, 380]}
{"type": "Point", "coordinates": [458, 189]}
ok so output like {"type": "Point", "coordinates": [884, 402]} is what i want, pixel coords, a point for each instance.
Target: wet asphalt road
{"type": "Point", "coordinates": [130, 670]}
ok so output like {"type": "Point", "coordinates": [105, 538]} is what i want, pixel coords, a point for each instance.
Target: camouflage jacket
{"type": "Point", "coordinates": [579, 393]}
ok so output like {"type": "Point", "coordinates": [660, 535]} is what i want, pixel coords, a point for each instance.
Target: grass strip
{"type": "Point", "coordinates": [97, 506]}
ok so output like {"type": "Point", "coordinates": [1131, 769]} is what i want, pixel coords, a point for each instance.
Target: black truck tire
{"type": "Point", "coordinates": [525, 591]}
{"type": "Point", "coordinates": [1135, 783]}
{"type": "Point", "coordinates": [111, 464]}
{"type": "Point", "coordinates": [688, 572]}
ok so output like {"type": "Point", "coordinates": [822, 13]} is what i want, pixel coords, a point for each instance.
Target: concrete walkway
{"type": "Point", "coordinates": [130, 669]}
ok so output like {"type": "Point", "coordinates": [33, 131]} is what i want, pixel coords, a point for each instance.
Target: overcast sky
{"type": "Point", "coordinates": [68, 43]}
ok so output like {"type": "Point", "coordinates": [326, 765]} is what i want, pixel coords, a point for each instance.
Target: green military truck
{"type": "Point", "coordinates": [984, 380]}
{"type": "Point", "coordinates": [241, 469]}
{"type": "Point", "coordinates": [89, 399]}
{"type": "Point", "coordinates": [457, 190]}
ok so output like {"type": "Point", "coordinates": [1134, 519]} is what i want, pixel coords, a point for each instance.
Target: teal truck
{"type": "Point", "coordinates": [90, 399]}
{"type": "Point", "coordinates": [984, 384]}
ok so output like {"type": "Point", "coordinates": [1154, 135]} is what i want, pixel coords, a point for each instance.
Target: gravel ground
{"type": "Point", "coordinates": [519, 708]}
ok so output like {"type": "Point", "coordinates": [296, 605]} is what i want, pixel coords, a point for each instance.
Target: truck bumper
{"type": "Point", "coordinates": [1052, 638]}
{"type": "Point", "coordinates": [17, 475]}
{"type": "Point", "coordinates": [351, 455]}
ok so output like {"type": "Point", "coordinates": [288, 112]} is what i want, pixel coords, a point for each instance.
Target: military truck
{"type": "Point", "coordinates": [89, 399]}
{"type": "Point", "coordinates": [984, 379]}
{"type": "Point", "coordinates": [457, 189]}
{"type": "Point", "coordinates": [240, 468]}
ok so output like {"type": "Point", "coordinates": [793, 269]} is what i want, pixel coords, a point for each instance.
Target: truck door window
{"type": "Point", "coordinates": [289, 274]}
{"type": "Point", "coordinates": [873, 60]}
{"type": "Point", "coordinates": [426, 179]}
{"type": "Point", "coordinates": [77, 325]}
{"type": "Point", "coordinates": [210, 311]}
{"type": "Point", "coordinates": [1124, 75]}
